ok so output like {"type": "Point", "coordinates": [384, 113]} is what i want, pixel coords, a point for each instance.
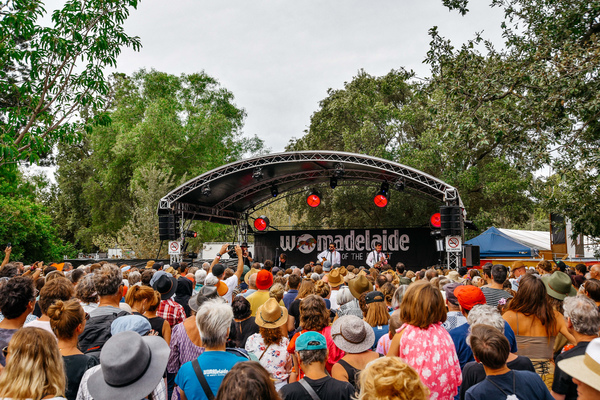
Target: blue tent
{"type": "Point", "coordinates": [493, 243]}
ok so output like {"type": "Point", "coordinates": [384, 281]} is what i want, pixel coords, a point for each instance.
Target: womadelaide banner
{"type": "Point", "coordinates": [412, 246]}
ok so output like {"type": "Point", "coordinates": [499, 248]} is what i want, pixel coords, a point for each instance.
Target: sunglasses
{"type": "Point", "coordinates": [87, 316]}
{"type": "Point", "coordinates": [5, 351]}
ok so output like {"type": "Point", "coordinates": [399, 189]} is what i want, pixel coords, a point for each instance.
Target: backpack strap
{"type": "Point", "coordinates": [311, 392]}
{"type": "Point", "coordinates": [198, 370]}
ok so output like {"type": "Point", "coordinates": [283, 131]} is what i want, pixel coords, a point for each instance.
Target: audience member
{"type": "Point", "coordinates": [390, 378]}
{"type": "Point", "coordinates": [585, 372]}
{"type": "Point", "coordinates": [249, 381]}
{"type": "Point", "coordinates": [17, 300]}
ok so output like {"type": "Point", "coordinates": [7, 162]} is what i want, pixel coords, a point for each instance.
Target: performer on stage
{"type": "Point", "coordinates": [331, 255]}
{"type": "Point", "coordinates": [247, 255]}
{"type": "Point", "coordinates": [376, 255]}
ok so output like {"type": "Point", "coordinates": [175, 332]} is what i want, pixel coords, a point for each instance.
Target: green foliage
{"type": "Point", "coordinates": [165, 130]}
{"type": "Point", "coordinates": [48, 74]}
{"type": "Point", "coordinates": [539, 95]}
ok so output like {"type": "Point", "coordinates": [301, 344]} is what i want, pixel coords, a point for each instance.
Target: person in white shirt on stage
{"type": "Point", "coordinates": [376, 255]}
{"type": "Point", "coordinates": [331, 255]}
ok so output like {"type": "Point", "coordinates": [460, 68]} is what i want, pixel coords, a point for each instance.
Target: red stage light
{"type": "Point", "coordinates": [313, 200]}
{"type": "Point", "coordinates": [261, 223]}
{"type": "Point", "coordinates": [436, 220]}
{"type": "Point", "coordinates": [380, 200]}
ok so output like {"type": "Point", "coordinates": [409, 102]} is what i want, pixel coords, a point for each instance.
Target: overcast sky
{"type": "Point", "coordinates": [280, 57]}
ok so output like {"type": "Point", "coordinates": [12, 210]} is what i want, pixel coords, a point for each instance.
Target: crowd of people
{"type": "Point", "coordinates": [318, 331]}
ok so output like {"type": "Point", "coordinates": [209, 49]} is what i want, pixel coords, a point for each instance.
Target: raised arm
{"type": "Point", "coordinates": [7, 256]}
{"type": "Point", "coordinates": [240, 267]}
{"type": "Point", "coordinates": [218, 257]}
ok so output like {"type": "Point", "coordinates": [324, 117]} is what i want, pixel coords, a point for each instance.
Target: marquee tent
{"type": "Point", "coordinates": [511, 243]}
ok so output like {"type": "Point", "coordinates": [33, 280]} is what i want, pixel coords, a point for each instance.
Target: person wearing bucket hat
{"type": "Point", "coordinates": [359, 285]}
{"type": "Point", "coordinates": [264, 281]}
{"type": "Point", "coordinates": [454, 277]}
{"type": "Point", "coordinates": [311, 353]}
{"type": "Point", "coordinates": [585, 370]}
{"type": "Point", "coordinates": [169, 310]}
{"type": "Point", "coordinates": [356, 338]}
{"type": "Point", "coordinates": [270, 345]}
{"type": "Point", "coordinates": [583, 320]}
{"type": "Point", "coordinates": [131, 367]}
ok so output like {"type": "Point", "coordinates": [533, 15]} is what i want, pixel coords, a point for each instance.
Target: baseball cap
{"type": "Point", "coordinates": [311, 341]}
{"type": "Point", "coordinates": [469, 296]}
{"type": "Point", "coordinates": [218, 270]}
{"type": "Point", "coordinates": [374, 297]}
{"type": "Point", "coordinates": [449, 290]}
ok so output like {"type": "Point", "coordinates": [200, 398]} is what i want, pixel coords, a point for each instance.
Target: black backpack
{"type": "Point", "coordinates": [97, 332]}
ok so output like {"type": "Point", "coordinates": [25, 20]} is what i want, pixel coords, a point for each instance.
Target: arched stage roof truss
{"type": "Point", "coordinates": [229, 193]}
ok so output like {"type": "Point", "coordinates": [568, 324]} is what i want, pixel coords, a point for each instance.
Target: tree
{"type": "Point", "coordinates": [394, 117]}
{"type": "Point", "coordinates": [48, 75]}
{"type": "Point", "coordinates": [164, 130]}
{"type": "Point", "coordinates": [541, 90]}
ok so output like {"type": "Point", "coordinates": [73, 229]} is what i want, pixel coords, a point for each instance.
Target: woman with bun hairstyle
{"type": "Point", "coordinates": [159, 324]}
{"type": "Point", "coordinates": [34, 367]}
{"type": "Point", "coordinates": [139, 298]}
{"type": "Point", "coordinates": [67, 320]}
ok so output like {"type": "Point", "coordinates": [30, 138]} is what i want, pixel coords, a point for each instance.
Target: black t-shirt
{"type": "Point", "coordinates": [524, 384]}
{"type": "Point", "coordinates": [473, 372]}
{"type": "Point", "coordinates": [241, 331]}
{"type": "Point", "coordinates": [157, 324]}
{"type": "Point", "coordinates": [563, 383]}
{"type": "Point", "coordinates": [326, 388]}
{"type": "Point", "coordinates": [295, 312]}
{"type": "Point", "coordinates": [75, 367]}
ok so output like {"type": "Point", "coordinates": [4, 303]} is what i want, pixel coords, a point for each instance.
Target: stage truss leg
{"type": "Point", "coordinates": [453, 260]}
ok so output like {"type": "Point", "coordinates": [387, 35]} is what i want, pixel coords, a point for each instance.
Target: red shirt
{"type": "Point", "coordinates": [171, 311]}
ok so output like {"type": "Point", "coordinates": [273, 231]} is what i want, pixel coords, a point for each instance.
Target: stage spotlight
{"type": "Point", "coordinates": [274, 191]}
{"type": "Point", "coordinates": [261, 223]}
{"type": "Point", "coordinates": [333, 182]}
{"type": "Point", "coordinates": [190, 234]}
{"type": "Point", "coordinates": [399, 185]}
{"type": "Point", "coordinates": [385, 188]}
{"type": "Point", "coordinates": [257, 173]}
{"type": "Point", "coordinates": [206, 190]}
{"type": "Point", "coordinates": [339, 170]}
{"type": "Point", "coordinates": [380, 199]}
{"type": "Point", "coordinates": [435, 220]}
{"type": "Point", "coordinates": [313, 199]}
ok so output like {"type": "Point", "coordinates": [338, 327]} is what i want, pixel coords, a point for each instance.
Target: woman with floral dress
{"type": "Point", "coordinates": [424, 344]}
{"type": "Point", "coordinates": [270, 344]}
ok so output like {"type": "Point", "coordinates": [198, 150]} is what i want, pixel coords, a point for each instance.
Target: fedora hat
{"type": "Point", "coordinates": [559, 285]}
{"type": "Point", "coordinates": [271, 314]}
{"type": "Point", "coordinates": [359, 285]}
{"type": "Point", "coordinates": [334, 278]}
{"type": "Point", "coordinates": [205, 293]}
{"type": "Point", "coordinates": [165, 284]}
{"type": "Point", "coordinates": [352, 335]}
{"type": "Point", "coordinates": [130, 367]}
{"type": "Point", "coordinates": [585, 368]}
{"type": "Point", "coordinates": [454, 277]}
{"type": "Point", "coordinates": [343, 271]}
{"type": "Point", "coordinates": [249, 274]}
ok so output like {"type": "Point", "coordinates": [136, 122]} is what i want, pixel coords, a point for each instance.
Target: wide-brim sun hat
{"type": "Point", "coordinates": [352, 334]}
{"type": "Point", "coordinates": [204, 291]}
{"type": "Point", "coordinates": [131, 367]}
{"type": "Point", "coordinates": [271, 314]}
{"type": "Point", "coordinates": [559, 285]}
{"type": "Point", "coordinates": [585, 368]}
{"type": "Point", "coordinates": [249, 274]}
{"type": "Point", "coordinates": [359, 285]}
{"type": "Point", "coordinates": [334, 278]}
{"type": "Point", "coordinates": [455, 277]}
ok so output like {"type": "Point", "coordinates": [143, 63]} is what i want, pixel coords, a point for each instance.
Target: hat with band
{"type": "Point", "coordinates": [559, 285]}
{"type": "Point", "coordinates": [352, 334]}
{"type": "Point", "coordinates": [585, 368]}
{"type": "Point", "coordinates": [271, 314]}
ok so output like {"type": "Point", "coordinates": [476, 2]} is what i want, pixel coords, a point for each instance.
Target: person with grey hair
{"type": "Point", "coordinates": [134, 278]}
{"type": "Point", "coordinates": [583, 321]}
{"type": "Point", "coordinates": [200, 379]}
{"type": "Point", "coordinates": [347, 303]}
{"type": "Point", "coordinates": [473, 372]}
{"type": "Point", "coordinates": [85, 291]}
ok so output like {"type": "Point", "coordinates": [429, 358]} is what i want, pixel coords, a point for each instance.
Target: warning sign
{"type": "Point", "coordinates": [174, 248]}
{"type": "Point", "coordinates": [453, 244]}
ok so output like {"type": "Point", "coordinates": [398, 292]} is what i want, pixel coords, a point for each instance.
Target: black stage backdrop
{"type": "Point", "coordinates": [412, 246]}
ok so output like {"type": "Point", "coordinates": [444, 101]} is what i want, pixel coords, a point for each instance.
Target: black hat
{"type": "Point", "coordinates": [244, 244]}
{"type": "Point", "coordinates": [218, 270]}
{"type": "Point", "coordinates": [374, 297]}
{"type": "Point", "coordinates": [158, 266]}
{"type": "Point", "coordinates": [166, 285]}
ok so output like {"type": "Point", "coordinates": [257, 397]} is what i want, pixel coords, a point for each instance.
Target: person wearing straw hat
{"type": "Point", "coordinates": [270, 345]}
{"type": "Point", "coordinates": [335, 280]}
{"type": "Point", "coordinates": [355, 337]}
{"type": "Point", "coordinates": [585, 371]}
